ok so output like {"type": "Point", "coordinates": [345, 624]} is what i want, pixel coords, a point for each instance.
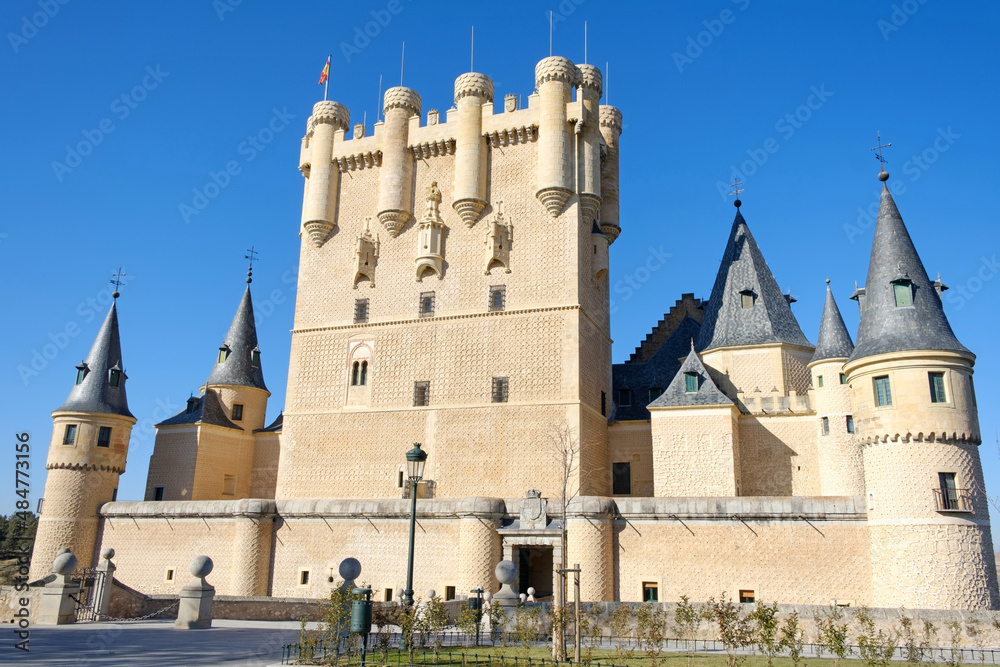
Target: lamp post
{"type": "Point", "coordinates": [415, 460]}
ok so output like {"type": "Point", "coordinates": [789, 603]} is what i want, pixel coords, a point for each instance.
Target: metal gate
{"type": "Point", "coordinates": [88, 599]}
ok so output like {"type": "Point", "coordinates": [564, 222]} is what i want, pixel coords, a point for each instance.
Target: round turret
{"type": "Point", "coordinates": [555, 68]}
{"type": "Point", "coordinates": [555, 78]}
{"type": "Point", "coordinates": [329, 113]}
{"type": "Point", "coordinates": [322, 180]}
{"type": "Point", "coordinates": [403, 98]}
{"type": "Point", "coordinates": [589, 79]}
{"type": "Point", "coordinates": [472, 90]}
{"type": "Point", "coordinates": [611, 129]}
{"type": "Point", "coordinates": [396, 174]}
{"type": "Point", "coordinates": [473, 84]}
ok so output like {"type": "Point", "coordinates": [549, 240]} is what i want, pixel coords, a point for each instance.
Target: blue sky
{"type": "Point", "coordinates": [117, 117]}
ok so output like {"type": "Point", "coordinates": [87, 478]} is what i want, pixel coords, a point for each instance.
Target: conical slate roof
{"type": "Point", "coordinates": [676, 394]}
{"type": "Point", "coordinates": [885, 327]}
{"type": "Point", "coordinates": [834, 341]}
{"type": "Point", "coordinates": [727, 322]}
{"type": "Point", "coordinates": [238, 368]}
{"type": "Point", "coordinates": [95, 393]}
{"type": "Point", "coordinates": [204, 409]}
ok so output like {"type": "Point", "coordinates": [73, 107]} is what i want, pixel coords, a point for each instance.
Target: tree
{"type": "Point", "coordinates": [765, 621]}
{"type": "Point", "coordinates": [791, 638]}
{"type": "Point", "coordinates": [687, 620]}
{"type": "Point", "coordinates": [876, 646]}
{"type": "Point", "coordinates": [436, 620]}
{"type": "Point", "coordinates": [833, 634]}
{"type": "Point", "coordinates": [955, 639]}
{"type": "Point", "coordinates": [565, 449]}
{"type": "Point", "coordinates": [621, 628]}
{"type": "Point", "coordinates": [468, 622]}
{"type": "Point", "coordinates": [735, 629]}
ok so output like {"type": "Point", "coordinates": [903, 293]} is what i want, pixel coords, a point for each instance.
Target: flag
{"type": "Point", "coordinates": [326, 72]}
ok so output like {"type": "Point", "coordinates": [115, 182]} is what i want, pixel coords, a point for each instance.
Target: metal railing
{"type": "Point", "coordinates": [953, 500]}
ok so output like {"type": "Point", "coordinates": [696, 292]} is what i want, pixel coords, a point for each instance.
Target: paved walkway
{"type": "Point", "coordinates": [140, 643]}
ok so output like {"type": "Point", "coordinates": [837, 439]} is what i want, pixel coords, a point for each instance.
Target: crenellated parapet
{"type": "Point", "coordinates": [589, 79]}
{"type": "Point", "coordinates": [402, 98]}
{"type": "Point", "coordinates": [473, 84]}
{"type": "Point", "coordinates": [329, 112]}
{"type": "Point", "coordinates": [555, 68]}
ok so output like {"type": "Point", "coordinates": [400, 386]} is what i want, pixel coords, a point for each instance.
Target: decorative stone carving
{"type": "Point", "coordinates": [589, 205]}
{"type": "Point", "coordinates": [367, 255]}
{"type": "Point", "coordinates": [433, 117]}
{"type": "Point", "coordinates": [429, 232]}
{"type": "Point", "coordinates": [318, 231]}
{"type": "Point", "coordinates": [533, 511]}
{"type": "Point", "coordinates": [499, 236]}
{"type": "Point", "coordinates": [554, 199]}
{"type": "Point", "coordinates": [359, 131]}
{"type": "Point", "coordinates": [510, 102]}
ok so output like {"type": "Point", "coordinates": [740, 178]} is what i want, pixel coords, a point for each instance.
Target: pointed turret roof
{"type": "Point", "coordinates": [95, 392]}
{"type": "Point", "coordinates": [677, 395]}
{"type": "Point", "coordinates": [744, 270]}
{"type": "Point", "coordinates": [834, 341]}
{"type": "Point", "coordinates": [885, 327]}
{"type": "Point", "coordinates": [239, 367]}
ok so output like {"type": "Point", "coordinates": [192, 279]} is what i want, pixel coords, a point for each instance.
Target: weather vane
{"type": "Point", "coordinates": [116, 280]}
{"type": "Point", "coordinates": [251, 255]}
{"type": "Point", "coordinates": [881, 159]}
{"type": "Point", "coordinates": [736, 192]}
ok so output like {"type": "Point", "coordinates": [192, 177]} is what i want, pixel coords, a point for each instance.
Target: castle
{"type": "Point", "coordinates": [729, 454]}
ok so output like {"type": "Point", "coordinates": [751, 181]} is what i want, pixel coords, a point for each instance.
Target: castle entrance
{"type": "Point", "coordinates": [535, 570]}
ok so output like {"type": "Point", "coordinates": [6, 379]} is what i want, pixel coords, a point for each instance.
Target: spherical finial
{"type": "Point", "coordinates": [349, 569]}
{"type": "Point", "coordinates": [249, 276]}
{"type": "Point", "coordinates": [431, 593]}
{"type": "Point", "coordinates": [400, 592]}
{"type": "Point", "coordinates": [201, 566]}
{"type": "Point", "coordinates": [108, 554]}
{"type": "Point", "coordinates": [737, 203]}
{"type": "Point", "coordinates": [827, 281]}
{"type": "Point", "coordinates": [883, 176]}
{"type": "Point", "coordinates": [487, 596]}
{"type": "Point", "coordinates": [531, 591]}
{"type": "Point", "coordinates": [506, 572]}
{"type": "Point", "coordinates": [64, 564]}
{"type": "Point", "coordinates": [115, 295]}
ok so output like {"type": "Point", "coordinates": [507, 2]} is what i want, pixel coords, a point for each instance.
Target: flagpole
{"type": "Point", "coordinates": [326, 86]}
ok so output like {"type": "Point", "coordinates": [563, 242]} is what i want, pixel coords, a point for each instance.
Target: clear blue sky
{"type": "Point", "coordinates": [703, 87]}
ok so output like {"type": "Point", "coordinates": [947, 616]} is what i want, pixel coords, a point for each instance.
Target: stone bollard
{"type": "Point", "coordinates": [506, 574]}
{"type": "Point", "coordinates": [195, 610]}
{"type": "Point", "coordinates": [58, 604]}
{"type": "Point", "coordinates": [103, 592]}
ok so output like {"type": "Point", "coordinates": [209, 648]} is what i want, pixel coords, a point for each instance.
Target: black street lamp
{"type": "Point", "coordinates": [415, 460]}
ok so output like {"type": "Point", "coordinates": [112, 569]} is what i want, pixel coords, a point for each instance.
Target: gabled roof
{"type": "Point", "coordinates": [204, 409]}
{"type": "Point", "coordinates": [726, 322]}
{"type": "Point", "coordinates": [95, 393]}
{"type": "Point", "coordinates": [657, 372]}
{"type": "Point", "coordinates": [676, 395]}
{"type": "Point", "coordinates": [885, 328]}
{"type": "Point", "coordinates": [241, 340]}
{"type": "Point", "coordinates": [834, 342]}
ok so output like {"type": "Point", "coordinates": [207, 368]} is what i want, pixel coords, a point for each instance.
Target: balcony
{"type": "Point", "coordinates": [953, 500]}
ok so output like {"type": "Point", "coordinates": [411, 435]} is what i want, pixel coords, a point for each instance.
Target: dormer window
{"type": "Point", "coordinates": [192, 405]}
{"type": "Point", "coordinates": [81, 372]}
{"type": "Point", "coordinates": [255, 357]}
{"type": "Point", "coordinates": [690, 383]}
{"type": "Point", "coordinates": [223, 353]}
{"type": "Point", "coordinates": [114, 377]}
{"type": "Point", "coordinates": [902, 292]}
{"type": "Point", "coordinates": [746, 298]}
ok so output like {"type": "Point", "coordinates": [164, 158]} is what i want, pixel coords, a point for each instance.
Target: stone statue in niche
{"type": "Point", "coordinates": [499, 236]}
{"type": "Point", "coordinates": [367, 255]}
{"type": "Point", "coordinates": [430, 230]}
{"type": "Point", "coordinates": [433, 202]}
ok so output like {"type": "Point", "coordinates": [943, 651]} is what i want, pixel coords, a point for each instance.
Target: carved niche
{"type": "Point", "coordinates": [367, 255]}
{"type": "Point", "coordinates": [430, 229]}
{"type": "Point", "coordinates": [499, 236]}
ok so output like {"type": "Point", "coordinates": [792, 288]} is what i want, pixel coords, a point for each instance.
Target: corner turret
{"type": "Point", "coordinates": [472, 92]}
{"type": "Point", "coordinates": [319, 213]}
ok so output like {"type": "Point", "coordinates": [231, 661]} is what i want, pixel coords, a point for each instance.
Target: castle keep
{"type": "Point", "coordinates": [453, 291]}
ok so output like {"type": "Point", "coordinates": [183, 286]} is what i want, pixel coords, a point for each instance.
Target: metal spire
{"type": "Point", "coordinates": [881, 159]}
{"type": "Point", "coordinates": [251, 255]}
{"type": "Point", "coordinates": [736, 192]}
{"type": "Point", "coordinates": [116, 280]}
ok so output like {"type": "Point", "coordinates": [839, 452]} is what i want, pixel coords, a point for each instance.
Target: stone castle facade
{"type": "Point", "coordinates": [728, 454]}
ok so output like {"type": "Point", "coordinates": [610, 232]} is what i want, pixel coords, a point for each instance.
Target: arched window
{"type": "Point", "coordinates": [364, 372]}
{"type": "Point", "coordinates": [354, 374]}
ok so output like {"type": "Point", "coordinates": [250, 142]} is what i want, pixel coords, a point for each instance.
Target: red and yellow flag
{"type": "Point", "coordinates": [326, 72]}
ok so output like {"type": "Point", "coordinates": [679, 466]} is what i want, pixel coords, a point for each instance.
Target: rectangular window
{"type": "Point", "coordinates": [655, 393]}
{"type": "Point", "coordinates": [399, 480]}
{"type": "Point", "coordinates": [449, 593]}
{"type": "Point", "coordinates": [80, 374]}
{"type": "Point", "coordinates": [303, 577]}
{"type": "Point", "coordinates": [157, 493]}
{"type": "Point", "coordinates": [170, 575]}
{"type": "Point", "coordinates": [850, 424]}
{"type": "Point", "coordinates": [114, 495]}
{"type": "Point", "coordinates": [500, 386]}
{"type": "Point", "coordinates": [237, 412]}
{"type": "Point", "coordinates": [388, 594]}
{"type": "Point", "coordinates": [255, 358]}
{"type": "Point", "coordinates": [421, 393]}
{"type": "Point", "coordinates": [825, 422]}
{"type": "Point", "coordinates": [114, 377]}
{"type": "Point", "coordinates": [883, 394]}
{"type": "Point", "coordinates": [625, 397]}
{"type": "Point", "coordinates": [70, 436]}
{"type": "Point", "coordinates": [223, 354]}
{"type": "Point", "coordinates": [746, 299]}
{"type": "Point", "coordinates": [229, 485]}
{"type": "Point", "coordinates": [621, 479]}
{"type": "Point", "coordinates": [747, 597]}
{"type": "Point", "coordinates": [903, 294]}
{"type": "Point", "coordinates": [604, 404]}
{"type": "Point", "coordinates": [843, 378]}
{"type": "Point", "coordinates": [360, 311]}
{"type": "Point", "coordinates": [104, 437]}
{"type": "Point", "coordinates": [498, 298]}
{"type": "Point", "coordinates": [650, 591]}
{"type": "Point", "coordinates": [937, 388]}
{"type": "Point", "coordinates": [426, 304]}
{"type": "Point", "coordinates": [690, 382]}
{"type": "Point", "coordinates": [819, 380]}
{"type": "Point", "coordinates": [949, 499]}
